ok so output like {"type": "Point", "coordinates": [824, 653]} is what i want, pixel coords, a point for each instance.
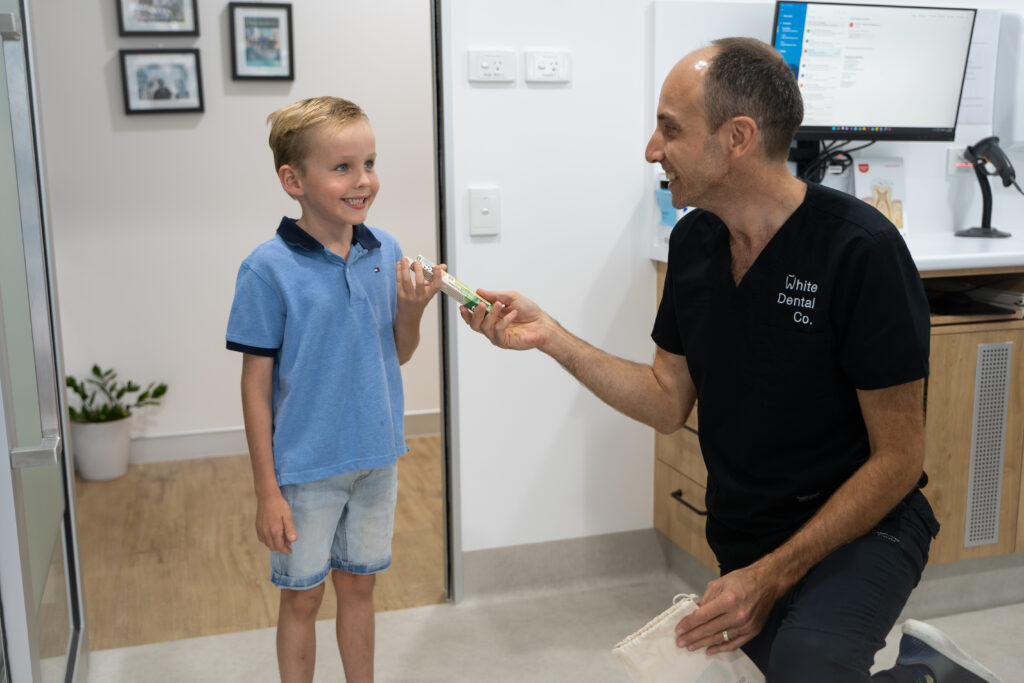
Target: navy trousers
{"type": "Point", "coordinates": [831, 624]}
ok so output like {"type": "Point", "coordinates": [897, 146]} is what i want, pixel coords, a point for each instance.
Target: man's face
{"type": "Point", "coordinates": [690, 154]}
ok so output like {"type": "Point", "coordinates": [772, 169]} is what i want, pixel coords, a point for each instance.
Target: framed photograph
{"type": "Point", "coordinates": [161, 81]}
{"type": "Point", "coordinates": [261, 41]}
{"type": "Point", "coordinates": [157, 17]}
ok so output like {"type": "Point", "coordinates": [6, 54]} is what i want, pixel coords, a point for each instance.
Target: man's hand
{"type": "Point", "coordinates": [737, 603]}
{"type": "Point", "coordinates": [274, 525]}
{"type": "Point", "coordinates": [514, 322]}
{"type": "Point", "coordinates": [414, 293]}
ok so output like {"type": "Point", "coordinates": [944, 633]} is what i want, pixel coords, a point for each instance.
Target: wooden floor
{"type": "Point", "coordinates": [169, 550]}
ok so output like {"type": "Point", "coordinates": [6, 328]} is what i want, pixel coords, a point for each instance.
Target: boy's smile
{"type": "Point", "coordinates": [337, 182]}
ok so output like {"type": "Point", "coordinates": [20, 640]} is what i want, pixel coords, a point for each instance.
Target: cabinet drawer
{"type": "Point", "coordinates": [677, 502]}
{"type": "Point", "coordinates": [681, 451]}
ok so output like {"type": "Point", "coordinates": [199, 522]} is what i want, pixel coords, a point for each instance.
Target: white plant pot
{"type": "Point", "coordinates": [101, 449]}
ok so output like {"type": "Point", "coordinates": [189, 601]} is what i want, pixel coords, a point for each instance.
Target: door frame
{"type": "Point", "coordinates": [444, 185]}
{"type": "Point", "coordinates": [22, 657]}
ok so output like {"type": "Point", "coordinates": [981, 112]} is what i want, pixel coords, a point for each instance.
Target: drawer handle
{"type": "Point", "coordinates": [678, 495]}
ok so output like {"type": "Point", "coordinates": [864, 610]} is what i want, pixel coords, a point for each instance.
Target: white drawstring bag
{"type": "Point", "coordinates": [650, 655]}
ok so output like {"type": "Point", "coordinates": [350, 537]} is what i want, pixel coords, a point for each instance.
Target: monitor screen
{"type": "Point", "coordinates": [875, 72]}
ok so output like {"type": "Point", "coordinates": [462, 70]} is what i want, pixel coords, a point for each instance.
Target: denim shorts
{"type": "Point", "coordinates": [344, 523]}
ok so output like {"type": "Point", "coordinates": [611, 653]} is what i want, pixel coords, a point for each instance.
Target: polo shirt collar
{"type": "Point", "coordinates": [294, 236]}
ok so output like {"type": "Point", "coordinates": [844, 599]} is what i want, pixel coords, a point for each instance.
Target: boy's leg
{"type": "Point", "coordinates": [355, 624]}
{"type": "Point", "coordinates": [296, 633]}
{"type": "Point", "coordinates": [317, 507]}
{"type": "Point", "coordinates": [362, 547]}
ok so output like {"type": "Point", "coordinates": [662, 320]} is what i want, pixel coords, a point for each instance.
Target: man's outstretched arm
{"type": "Point", "coordinates": [660, 395]}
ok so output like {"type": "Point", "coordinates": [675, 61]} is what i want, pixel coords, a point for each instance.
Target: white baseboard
{"type": "Point", "coordinates": [559, 566]}
{"type": "Point", "coordinates": [210, 443]}
{"type": "Point", "coordinates": [420, 423]}
{"type": "Point", "coordinates": [206, 443]}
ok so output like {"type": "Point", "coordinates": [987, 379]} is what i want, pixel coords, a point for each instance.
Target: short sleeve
{"type": "Point", "coordinates": [883, 323]}
{"type": "Point", "coordinates": [256, 321]}
{"type": "Point", "coordinates": [666, 330]}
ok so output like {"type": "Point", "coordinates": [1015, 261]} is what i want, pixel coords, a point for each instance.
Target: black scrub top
{"type": "Point", "coordinates": [833, 303]}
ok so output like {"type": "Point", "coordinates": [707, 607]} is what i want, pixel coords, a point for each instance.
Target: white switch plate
{"type": "Point", "coordinates": [484, 211]}
{"type": "Point", "coordinates": [492, 66]}
{"type": "Point", "coordinates": [548, 66]}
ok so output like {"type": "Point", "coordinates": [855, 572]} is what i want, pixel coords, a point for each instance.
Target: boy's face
{"type": "Point", "coordinates": [338, 183]}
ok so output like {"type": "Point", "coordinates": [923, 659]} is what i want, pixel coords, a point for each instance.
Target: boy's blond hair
{"type": "Point", "coordinates": [291, 126]}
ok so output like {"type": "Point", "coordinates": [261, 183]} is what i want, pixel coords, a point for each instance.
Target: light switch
{"type": "Point", "coordinates": [484, 211]}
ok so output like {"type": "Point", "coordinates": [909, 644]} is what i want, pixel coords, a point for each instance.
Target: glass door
{"type": "Point", "coordinates": [41, 607]}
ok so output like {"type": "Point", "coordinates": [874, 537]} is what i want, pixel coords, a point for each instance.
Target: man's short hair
{"type": "Point", "coordinates": [290, 126]}
{"type": "Point", "coordinates": [750, 78]}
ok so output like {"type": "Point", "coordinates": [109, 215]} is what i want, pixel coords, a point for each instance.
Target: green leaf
{"type": "Point", "coordinates": [113, 404]}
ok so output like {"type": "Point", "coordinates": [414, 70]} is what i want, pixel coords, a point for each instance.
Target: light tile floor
{"type": "Point", "coordinates": [557, 638]}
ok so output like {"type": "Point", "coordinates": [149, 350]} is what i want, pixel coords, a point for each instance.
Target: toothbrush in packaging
{"type": "Point", "coordinates": [452, 287]}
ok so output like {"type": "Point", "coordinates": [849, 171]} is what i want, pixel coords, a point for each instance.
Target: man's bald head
{"type": "Point", "coordinates": [746, 77]}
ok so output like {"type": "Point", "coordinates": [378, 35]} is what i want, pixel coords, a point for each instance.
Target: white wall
{"type": "Point", "coordinates": [541, 459]}
{"type": "Point", "coordinates": [151, 215]}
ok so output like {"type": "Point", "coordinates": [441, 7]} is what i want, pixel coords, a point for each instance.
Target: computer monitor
{"type": "Point", "coordinates": [875, 72]}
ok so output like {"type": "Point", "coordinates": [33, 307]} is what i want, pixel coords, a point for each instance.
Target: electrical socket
{"type": "Point", "coordinates": [548, 66]}
{"type": "Point", "coordinates": [492, 66]}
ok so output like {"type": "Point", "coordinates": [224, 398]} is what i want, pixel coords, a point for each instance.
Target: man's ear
{"type": "Point", "coordinates": [742, 132]}
{"type": "Point", "coordinates": [290, 180]}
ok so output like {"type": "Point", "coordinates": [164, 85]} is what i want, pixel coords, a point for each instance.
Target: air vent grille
{"type": "Point", "coordinates": [988, 443]}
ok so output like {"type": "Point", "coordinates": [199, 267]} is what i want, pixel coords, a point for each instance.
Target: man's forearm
{"type": "Point", "coordinates": [852, 511]}
{"type": "Point", "coordinates": [633, 389]}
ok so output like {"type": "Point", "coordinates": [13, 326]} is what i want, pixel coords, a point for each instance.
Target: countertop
{"type": "Point", "coordinates": [946, 251]}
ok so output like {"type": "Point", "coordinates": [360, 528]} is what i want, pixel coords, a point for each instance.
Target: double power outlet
{"type": "Point", "coordinates": [499, 66]}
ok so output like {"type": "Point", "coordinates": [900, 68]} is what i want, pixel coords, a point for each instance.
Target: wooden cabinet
{"type": "Point", "coordinates": [957, 496]}
{"type": "Point", "coordinates": [990, 498]}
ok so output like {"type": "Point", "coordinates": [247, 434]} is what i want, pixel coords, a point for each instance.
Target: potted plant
{"type": "Point", "coordinates": [100, 428]}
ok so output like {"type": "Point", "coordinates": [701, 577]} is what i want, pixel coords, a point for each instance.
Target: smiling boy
{"type": "Point", "coordinates": [325, 313]}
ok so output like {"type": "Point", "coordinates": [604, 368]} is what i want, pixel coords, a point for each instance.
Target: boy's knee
{"type": "Point", "coordinates": [803, 656]}
{"type": "Point", "coordinates": [302, 602]}
{"type": "Point", "coordinates": [353, 585]}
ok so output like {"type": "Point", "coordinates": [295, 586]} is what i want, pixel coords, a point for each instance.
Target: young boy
{"type": "Point", "coordinates": [324, 314]}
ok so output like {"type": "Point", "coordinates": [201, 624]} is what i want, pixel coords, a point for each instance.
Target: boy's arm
{"type": "Point", "coordinates": [274, 525]}
{"type": "Point", "coordinates": [413, 296]}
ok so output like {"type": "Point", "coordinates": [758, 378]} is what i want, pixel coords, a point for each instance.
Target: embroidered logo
{"type": "Point", "coordinates": [801, 296]}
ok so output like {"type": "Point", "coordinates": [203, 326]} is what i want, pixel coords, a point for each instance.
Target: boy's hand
{"type": "Point", "coordinates": [514, 322]}
{"type": "Point", "coordinates": [414, 293]}
{"type": "Point", "coordinates": [274, 525]}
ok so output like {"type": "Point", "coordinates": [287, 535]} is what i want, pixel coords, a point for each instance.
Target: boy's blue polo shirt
{"type": "Point", "coordinates": [328, 322]}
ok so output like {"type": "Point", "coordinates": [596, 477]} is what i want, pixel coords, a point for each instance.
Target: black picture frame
{"type": "Point", "coordinates": [260, 36]}
{"type": "Point", "coordinates": [160, 18]}
{"type": "Point", "coordinates": [161, 81]}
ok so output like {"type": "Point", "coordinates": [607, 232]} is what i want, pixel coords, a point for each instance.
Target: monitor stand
{"type": "Point", "coordinates": [986, 229]}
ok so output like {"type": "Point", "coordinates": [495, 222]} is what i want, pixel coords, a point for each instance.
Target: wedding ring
{"type": "Point", "coordinates": [725, 636]}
